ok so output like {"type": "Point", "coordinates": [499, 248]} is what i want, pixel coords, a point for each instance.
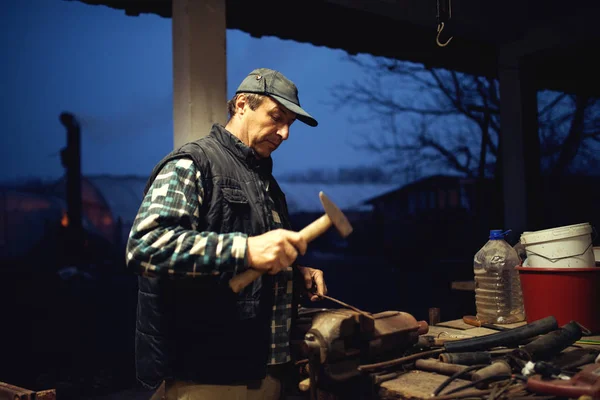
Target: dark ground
{"type": "Point", "coordinates": [74, 335]}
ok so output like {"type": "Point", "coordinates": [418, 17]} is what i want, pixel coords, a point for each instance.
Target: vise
{"type": "Point", "coordinates": [337, 341]}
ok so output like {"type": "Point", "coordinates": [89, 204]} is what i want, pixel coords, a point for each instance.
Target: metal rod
{"type": "Point", "coordinates": [398, 361]}
{"type": "Point", "coordinates": [366, 314]}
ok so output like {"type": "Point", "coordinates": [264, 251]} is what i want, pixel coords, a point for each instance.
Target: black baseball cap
{"type": "Point", "coordinates": [276, 85]}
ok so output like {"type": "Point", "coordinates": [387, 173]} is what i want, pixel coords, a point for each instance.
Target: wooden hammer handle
{"type": "Point", "coordinates": [309, 233]}
{"type": "Point", "coordinates": [240, 281]}
{"type": "Point", "coordinates": [316, 228]}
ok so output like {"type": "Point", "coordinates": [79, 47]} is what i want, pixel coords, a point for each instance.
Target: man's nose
{"type": "Point", "coordinates": [284, 131]}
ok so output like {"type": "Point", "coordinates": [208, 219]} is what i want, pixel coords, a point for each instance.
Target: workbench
{"type": "Point", "coordinates": [416, 384]}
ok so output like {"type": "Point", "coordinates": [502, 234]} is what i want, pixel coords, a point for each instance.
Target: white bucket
{"type": "Point", "coordinates": [563, 247]}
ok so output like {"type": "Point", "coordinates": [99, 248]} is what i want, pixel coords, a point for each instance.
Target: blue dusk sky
{"type": "Point", "coordinates": [114, 72]}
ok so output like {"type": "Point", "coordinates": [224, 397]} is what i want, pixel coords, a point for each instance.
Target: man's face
{"type": "Point", "coordinates": [267, 126]}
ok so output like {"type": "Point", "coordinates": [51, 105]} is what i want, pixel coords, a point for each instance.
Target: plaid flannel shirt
{"type": "Point", "coordinates": [164, 240]}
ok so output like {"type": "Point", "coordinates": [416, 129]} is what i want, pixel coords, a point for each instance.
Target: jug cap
{"type": "Point", "coordinates": [498, 234]}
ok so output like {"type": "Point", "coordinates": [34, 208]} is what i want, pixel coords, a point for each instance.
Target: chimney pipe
{"type": "Point", "coordinates": [71, 160]}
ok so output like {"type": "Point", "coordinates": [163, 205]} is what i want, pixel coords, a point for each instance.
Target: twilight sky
{"type": "Point", "coordinates": [114, 73]}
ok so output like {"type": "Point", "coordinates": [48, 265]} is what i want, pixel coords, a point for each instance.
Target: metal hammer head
{"type": "Point", "coordinates": [337, 217]}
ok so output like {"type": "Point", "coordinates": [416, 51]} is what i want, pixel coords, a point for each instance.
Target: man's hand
{"type": "Point", "coordinates": [312, 277]}
{"type": "Point", "coordinates": [275, 250]}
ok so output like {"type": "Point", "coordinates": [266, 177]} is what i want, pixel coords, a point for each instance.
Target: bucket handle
{"type": "Point", "coordinates": [572, 255]}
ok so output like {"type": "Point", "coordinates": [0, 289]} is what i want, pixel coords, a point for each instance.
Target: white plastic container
{"type": "Point", "coordinates": [567, 246]}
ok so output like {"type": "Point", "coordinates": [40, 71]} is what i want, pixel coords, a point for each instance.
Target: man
{"type": "Point", "coordinates": [211, 210]}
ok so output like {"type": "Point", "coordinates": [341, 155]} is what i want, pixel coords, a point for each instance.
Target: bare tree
{"type": "Point", "coordinates": [422, 121]}
{"type": "Point", "coordinates": [569, 127]}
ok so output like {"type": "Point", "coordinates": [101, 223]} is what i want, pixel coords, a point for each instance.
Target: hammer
{"type": "Point", "coordinates": [333, 216]}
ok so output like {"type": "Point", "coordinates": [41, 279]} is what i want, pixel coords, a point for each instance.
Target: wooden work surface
{"type": "Point", "coordinates": [421, 384]}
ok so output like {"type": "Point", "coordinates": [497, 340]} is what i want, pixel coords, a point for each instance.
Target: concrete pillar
{"type": "Point", "coordinates": [519, 146]}
{"type": "Point", "coordinates": [199, 68]}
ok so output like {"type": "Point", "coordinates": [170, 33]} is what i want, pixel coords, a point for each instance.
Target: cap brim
{"type": "Point", "coordinates": [300, 113]}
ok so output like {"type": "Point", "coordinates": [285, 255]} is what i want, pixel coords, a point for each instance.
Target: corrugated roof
{"type": "Point", "coordinates": [123, 194]}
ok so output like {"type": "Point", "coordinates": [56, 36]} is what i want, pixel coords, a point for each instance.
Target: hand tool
{"type": "Point", "coordinates": [544, 347]}
{"type": "Point", "coordinates": [509, 338]}
{"type": "Point", "coordinates": [333, 216]}
{"type": "Point", "coordinates": [467, 358]}
{"type": "Point", "coordinates": [429, 341]}
{"type": "Point", "coordinates": [473, 321]}
{"type": "Point", "coordinates": [498, 367]}
{"type": "Point", "coordinates": [441, 367]}
{"type": "Point", "coordinates": [339, 339]}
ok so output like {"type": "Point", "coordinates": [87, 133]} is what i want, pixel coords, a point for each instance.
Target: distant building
{"type": "Point", "coordinates": [305, 207]}
{"type": "Point", "coordinates": [439, 217]}
{"type": "Point", "coordinates": [437, 214]}
{"type": "Point", "coordinates": [111, 202]}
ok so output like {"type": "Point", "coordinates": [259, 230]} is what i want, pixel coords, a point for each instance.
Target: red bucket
{"type": "Point", "coordinates": [569, 294]}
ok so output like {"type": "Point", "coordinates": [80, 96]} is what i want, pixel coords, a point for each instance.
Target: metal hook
{"type": "Point", "coordinates": [437, 38]}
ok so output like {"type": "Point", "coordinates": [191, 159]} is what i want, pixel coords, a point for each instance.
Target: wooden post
{"type": "Point", "coordinates": [519, 147]}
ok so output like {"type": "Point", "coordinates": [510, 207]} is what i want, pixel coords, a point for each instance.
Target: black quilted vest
{"type": "Point", "coordinates": [197, 329]}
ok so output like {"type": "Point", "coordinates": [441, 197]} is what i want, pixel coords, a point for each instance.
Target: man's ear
{"type": "Point", "coordinates": [240, 103]}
